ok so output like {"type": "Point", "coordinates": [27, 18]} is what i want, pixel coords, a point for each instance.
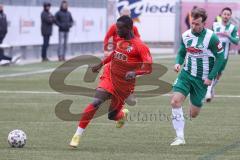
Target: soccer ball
{"type": "Point", "coordinates": [17, 138]}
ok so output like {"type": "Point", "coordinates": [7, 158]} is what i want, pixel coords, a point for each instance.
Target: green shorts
{"type": "Point", "coordinates": [223, 66]}
{"type": "Point", "coordinates": [187, 84]}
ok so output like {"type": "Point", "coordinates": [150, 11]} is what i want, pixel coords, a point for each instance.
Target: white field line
{"type": "Point", "coordinates": [51, 70]}
{"type": "Point", "coordinates": [51, 92]}
{"type": "Point", "coordinates": [130, 123]}
{"type": "Point", "coordinates": [163, 56]}
{"type": "Point", "coordinates": [26, 73]}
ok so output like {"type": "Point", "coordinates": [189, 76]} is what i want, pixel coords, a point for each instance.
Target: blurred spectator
{"type": "Point", "coordinates": [64, 21]}
{"type": "Point", "coordinates": [3, 32]}
{"type": "Point", "coordinates": [188, 18]}
{"type": "Point", "coordinates": [47, 20]}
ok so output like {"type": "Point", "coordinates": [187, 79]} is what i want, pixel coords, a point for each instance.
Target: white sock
{"type": "Point", "coordinates": [79, 131]}
{"type": "Point", "coordinates": [178, 121]}
{"type": "Point", "coordinates": [215, 82]}
{"type": "Point", "coordinates": [210, 88]}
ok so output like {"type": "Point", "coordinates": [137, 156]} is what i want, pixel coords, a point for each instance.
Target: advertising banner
{"type": "Point", "coordinates": [24, 25]}
{"type": "Point", "coordinates": [155, 19]}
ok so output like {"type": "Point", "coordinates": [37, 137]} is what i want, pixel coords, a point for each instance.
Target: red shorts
{"type": "Point", "coordinates": [105, 80]}
{"type": "Point", "coordinates": [106, 84]}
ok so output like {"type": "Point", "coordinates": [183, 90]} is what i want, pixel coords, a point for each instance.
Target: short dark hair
{"type": "Point", "coordinates": [64, 1]}
{"type": "Point", "coordinates": [199, 12]}
{"type": "Point", "coordinates": [194, 7]}
{"type": "Point", "coordinates": [46, 4]}
{"type": "Point", "coordinates": [228, 9]}
{"type": "Point", "coordinates": [128, 22]}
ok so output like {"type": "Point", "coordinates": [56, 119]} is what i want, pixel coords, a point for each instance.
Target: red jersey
{"type": "Point", "coordinates": [132, 55]}
{"type": "Point", "coordinates": [112, 32]}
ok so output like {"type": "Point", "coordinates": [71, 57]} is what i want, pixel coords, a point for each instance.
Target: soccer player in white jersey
{"type": "Point", "coordinates": [227, 33]}
{"type": "Point", "coordinates": [202, 55]}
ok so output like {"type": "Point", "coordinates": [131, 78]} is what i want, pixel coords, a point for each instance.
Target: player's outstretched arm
{"type": "Point", "coordinates": [109, 34]}
{"type": "Point", "coordinates": [234, 37]}
{"type": "Point", "coordinates": [180, 57]}
{"type": "Point", "coordinates": [146, 64]}
{"type": "Point", "coordinates": [97, 67]}
{"type": "Point", "coordinates": [145, 69]}
{"type": "Point", "coordinates": [216, 47]}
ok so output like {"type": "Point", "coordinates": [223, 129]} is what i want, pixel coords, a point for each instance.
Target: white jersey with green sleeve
{"type": "Point", "coordinates": [202, 54]}
{"type": "Point", "coordinates": [218, 27]}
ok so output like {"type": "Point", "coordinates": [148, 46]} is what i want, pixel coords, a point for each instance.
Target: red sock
{"type": "Point", "coordinates": [119, 115]}
{"type": "Point", "coordinates": [87, 116]}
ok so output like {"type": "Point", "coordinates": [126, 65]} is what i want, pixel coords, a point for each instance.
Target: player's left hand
{"type": "Point", "coordinates": [130, 75]}
{"type": "Point", "coordinates": [96, 68]}
{"type": "Point", "coordinates": [207, 82]}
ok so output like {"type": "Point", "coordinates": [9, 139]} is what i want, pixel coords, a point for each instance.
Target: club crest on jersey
{"type": "Point", "coordinates": [129, 49]}
{"type": "Point", "coordinates": [200, 46]}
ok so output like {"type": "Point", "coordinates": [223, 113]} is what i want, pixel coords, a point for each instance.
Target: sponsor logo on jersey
{"type": "Point", "coordinates": [120, 56]}
{"type": "Point", "coordinates": [194, 50]}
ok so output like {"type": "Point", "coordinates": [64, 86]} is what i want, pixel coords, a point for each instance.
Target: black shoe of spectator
{"type": "Point", "coordinates": [45, 60]}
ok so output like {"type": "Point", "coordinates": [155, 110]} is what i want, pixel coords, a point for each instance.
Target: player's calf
{"type": "Point", "coordinates": [194, 111]}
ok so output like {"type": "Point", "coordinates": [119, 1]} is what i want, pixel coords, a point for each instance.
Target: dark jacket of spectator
{"type": "Point", "coordinates": [3, 24]}
{"type": "Point", "coordinates": [64, 20]}
{"type": "Point", "coordinates": [47, 22]}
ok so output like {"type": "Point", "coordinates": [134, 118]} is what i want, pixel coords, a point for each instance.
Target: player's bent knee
{"type": "Point", "coordinates": [97, 102]}
{"type": "Point", "coordinates": [131, 101]}
{"type": "Point", "coordinates": [175, 103]}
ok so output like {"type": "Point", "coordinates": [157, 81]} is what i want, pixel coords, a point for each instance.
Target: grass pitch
{"type": "Point", "coordinates": [28, 103]}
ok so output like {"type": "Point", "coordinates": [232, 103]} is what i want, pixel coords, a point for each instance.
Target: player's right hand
{"type": "Point", "coordinates": [177, 67]}
{"type": "Point", "coordinates": [96, 68]}
{"type": "Point", "coordinates": [207, 82]}
{"type": "Point", "coordinates": [130, 75]}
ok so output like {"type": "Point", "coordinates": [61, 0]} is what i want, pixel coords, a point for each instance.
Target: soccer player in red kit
{"type": "Point", "coordinates": [112, 33]}
{"type": "Point", "coordinates": [130, 58]}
